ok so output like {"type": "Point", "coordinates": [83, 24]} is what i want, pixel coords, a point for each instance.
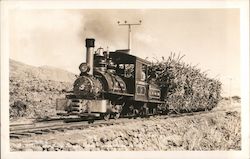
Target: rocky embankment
{"type": "Point", "coordinates": [34, 90]}
{"type": "Point", "coordinates": [213, 131]}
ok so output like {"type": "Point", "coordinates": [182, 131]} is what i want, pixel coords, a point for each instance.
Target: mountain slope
{"type": "Point", "coordinates": [34, 90]}
{"type": "Point", "coordinates": [21, 70]}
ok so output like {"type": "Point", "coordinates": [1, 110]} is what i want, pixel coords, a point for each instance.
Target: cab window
{"type": "Point", "coordinates": [141, 72]}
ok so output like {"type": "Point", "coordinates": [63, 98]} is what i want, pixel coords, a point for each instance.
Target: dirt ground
{"type": "Point", "coordinates": [220, 130]}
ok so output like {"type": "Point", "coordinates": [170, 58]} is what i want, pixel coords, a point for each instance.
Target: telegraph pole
{"type": "Point", "coordinates": [129, 30]}
{"type": "Point", "coordinates": [230, 89]}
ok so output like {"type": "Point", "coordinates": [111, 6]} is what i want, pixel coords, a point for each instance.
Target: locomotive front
{"type": "Point", "coordinates": [89, 96]}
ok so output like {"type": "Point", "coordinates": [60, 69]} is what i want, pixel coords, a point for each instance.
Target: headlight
{"type": "Point", "coordinates": [84, 68]}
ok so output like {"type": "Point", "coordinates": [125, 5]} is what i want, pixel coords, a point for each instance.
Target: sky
{"type": "Point", "coordinates": [209, 38]}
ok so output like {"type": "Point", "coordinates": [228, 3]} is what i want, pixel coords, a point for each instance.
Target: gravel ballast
{"type": "Point", "coordinates": [213, 131]}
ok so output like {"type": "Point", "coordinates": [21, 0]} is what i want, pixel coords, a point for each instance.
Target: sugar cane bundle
{"type": "Point", "coordinates": [185, 88]}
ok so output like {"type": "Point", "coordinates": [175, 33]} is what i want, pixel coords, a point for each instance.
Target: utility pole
{"type": "Point", "coordinates": [230, 89]}
{"type": "Point", "coordinates": [129, 30]}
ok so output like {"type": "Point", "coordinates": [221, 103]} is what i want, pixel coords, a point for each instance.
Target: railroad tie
{"type": "Point", "coordinates": [22, 134]}
{"type": "Point", "coordinates": [15, 136]}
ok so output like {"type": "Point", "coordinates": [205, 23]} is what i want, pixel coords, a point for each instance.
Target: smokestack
{"type": "Point", "coordinates": [90, 44]}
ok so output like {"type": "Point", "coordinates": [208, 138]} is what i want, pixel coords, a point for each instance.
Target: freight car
{"type": "Point", "coordinates": [110, 85]}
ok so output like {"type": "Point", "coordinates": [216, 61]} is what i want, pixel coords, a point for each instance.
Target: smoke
{"type": "Point", "coordinates": [99, 25]}
{"type": "Point", "coordinates": [102, 25]}
{"type": "Point", "coordinates": [103, 28]}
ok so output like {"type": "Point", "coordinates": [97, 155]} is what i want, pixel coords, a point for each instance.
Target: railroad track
{"type": "Point", "coordinates": [24, 130]}
{"type": "Point", "coordinates": [58, 124]}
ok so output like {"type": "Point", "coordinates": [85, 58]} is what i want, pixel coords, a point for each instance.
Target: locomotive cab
{"type": "Point", "coordinates": [135, 72]}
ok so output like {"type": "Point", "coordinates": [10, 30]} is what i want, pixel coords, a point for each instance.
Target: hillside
{"type": "Point", "coordinates": [21, 70]}
{"type": "Point", "coordinates": [34, 90]}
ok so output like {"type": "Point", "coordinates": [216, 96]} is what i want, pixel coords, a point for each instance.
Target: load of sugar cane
{"type": "Point", "coordinates": [185, 88]}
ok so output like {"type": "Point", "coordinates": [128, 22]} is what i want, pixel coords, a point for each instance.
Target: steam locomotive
{"type": "Point", "coordinates": [110, 85]}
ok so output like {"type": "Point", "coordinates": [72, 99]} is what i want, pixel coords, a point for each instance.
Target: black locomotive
{"type": "Point", "coordinates": [112, 84]}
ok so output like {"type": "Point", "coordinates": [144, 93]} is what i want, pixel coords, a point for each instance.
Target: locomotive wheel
{"type": "Point", "coordinates": [117, 115]}
{"type": "Point", "coordinates": [106, 116]}
{"type": "Point", "coordinates": [154, 111]}
{"type": "Point", "coordinates": [118, 109]}
{"type": "Point", "coordinates": [145, 112]}
{"type": "Point", "coordinates": [91, 121]}
{"type": "Point", "coordinates": [136, 113]}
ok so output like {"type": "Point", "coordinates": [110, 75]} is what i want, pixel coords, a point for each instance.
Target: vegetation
{"type": "Point", "coordinates": [185, 88]}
